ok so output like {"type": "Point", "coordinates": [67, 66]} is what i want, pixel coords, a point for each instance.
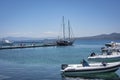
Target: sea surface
{"type": "Point", "coordinates": [44, 63]}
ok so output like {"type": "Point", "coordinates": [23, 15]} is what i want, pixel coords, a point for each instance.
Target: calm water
{"type": "Point", "coordinates": [44, 63]}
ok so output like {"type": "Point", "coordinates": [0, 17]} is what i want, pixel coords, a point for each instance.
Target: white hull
{"type": "Point", "coordinates": [111, 76]}
{"type": "Point", "coordinates": [74, 73]}
{"type": "Point", "coordinates": [94, 68]}
{"type": "Point", "coordinates": [112, 44]}
{"type": "Point", "coordinates": [105, 58]}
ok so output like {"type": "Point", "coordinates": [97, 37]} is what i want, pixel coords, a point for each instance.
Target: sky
{"type": "Point", "coordinates": [43, 18]}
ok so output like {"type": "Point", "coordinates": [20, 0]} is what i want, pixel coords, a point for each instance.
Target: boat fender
{"type": "Point", "coordinates": [63, 66]}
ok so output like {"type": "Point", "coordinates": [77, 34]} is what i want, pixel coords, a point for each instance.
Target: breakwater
{"type": "Point", "coordinates": [27, 46]}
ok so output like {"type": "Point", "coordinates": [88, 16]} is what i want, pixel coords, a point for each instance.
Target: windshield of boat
{"type": "Point", "coordinates": [85, 63]}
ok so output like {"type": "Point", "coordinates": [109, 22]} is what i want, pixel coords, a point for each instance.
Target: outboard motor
{"type": "Point", "coordinates": [63, 66]}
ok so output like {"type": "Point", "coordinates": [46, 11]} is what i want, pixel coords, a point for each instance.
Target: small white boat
{"type": "Point", "coordinates": [112, 44]}
{"type": "Point", "coordinates": [85, 68]}
{"type": "Point", "coordinates": [6, 42]}
{"type": "Point", "coordinates": [109, 54]}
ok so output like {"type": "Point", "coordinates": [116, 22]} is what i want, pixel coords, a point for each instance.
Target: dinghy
{"type": "Point", "coordinates": [85, 68]}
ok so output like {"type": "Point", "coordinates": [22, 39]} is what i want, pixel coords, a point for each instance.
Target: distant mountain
{"type": "Point", "coordinates": [20, 38]}
{"type": "Point", "coordinates": [112, 36]}
{"type": "Point", "coordinates": [24, 38]}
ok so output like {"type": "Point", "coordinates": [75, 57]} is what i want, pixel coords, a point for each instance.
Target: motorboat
{"type": "Point", "coordinates": [88, 68]}
{"type": "Point", "coordinates": [112, 44]}
{"type": "Point", "coordinates": [108, 54]}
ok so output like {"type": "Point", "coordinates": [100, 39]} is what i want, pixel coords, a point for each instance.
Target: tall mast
{"type": "Point", "coordinates": [63, 29]}
{"type": "Point", "coordinates": [69, 29]}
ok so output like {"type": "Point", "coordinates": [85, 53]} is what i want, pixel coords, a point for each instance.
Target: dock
{"type": "Point", "coordinates": [26, 46]}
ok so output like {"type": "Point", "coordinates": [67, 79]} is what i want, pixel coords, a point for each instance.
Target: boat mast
{"type": "Point", "coordinates": [69, 30]}
{"type": "Point", "coordinates": [63, 29]}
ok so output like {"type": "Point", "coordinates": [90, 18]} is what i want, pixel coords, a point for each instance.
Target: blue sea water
{"type": "Point", "coordinates": [44, 63]}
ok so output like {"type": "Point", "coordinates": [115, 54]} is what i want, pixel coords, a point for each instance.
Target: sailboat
{"type": "Point", "coordinates": [65, 41]}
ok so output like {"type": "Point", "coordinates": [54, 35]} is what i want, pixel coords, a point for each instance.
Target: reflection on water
{"type": "Point", "coordinates": [104, 76]}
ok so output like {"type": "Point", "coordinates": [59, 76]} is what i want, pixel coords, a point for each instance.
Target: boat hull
{"type": "Point", "coordinates": [103, 76]}
{"type": "Point", "coordinates": [78, 70]}
{"type": "Point", "coordinates": [104, 59]}
{"type": "Point", "coordinates": [64, 43]}
{"type": "Point", "coordinates": [80, 73]}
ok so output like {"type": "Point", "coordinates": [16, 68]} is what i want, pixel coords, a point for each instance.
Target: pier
{"type": "Point", "coordinates": [26, 46]}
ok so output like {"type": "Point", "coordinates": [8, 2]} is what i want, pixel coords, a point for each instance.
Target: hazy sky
{"type": "Point", "coordinates": [43, 18]}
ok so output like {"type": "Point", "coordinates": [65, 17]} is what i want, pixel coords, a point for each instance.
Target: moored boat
{"type": "Point", "coordinates": [92, 68]}
{"type": "Point", "coordinates": [112, 44]}
{"type": "Point", "coordinates": [6, 42]}
{"type": "Point", "coordinates": [65, 41]}
{"type": "Point", "coordinates": [108, 54]}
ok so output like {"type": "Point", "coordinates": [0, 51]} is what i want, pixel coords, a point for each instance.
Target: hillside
{"type": "Point", "coordinates": [112, 36]}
